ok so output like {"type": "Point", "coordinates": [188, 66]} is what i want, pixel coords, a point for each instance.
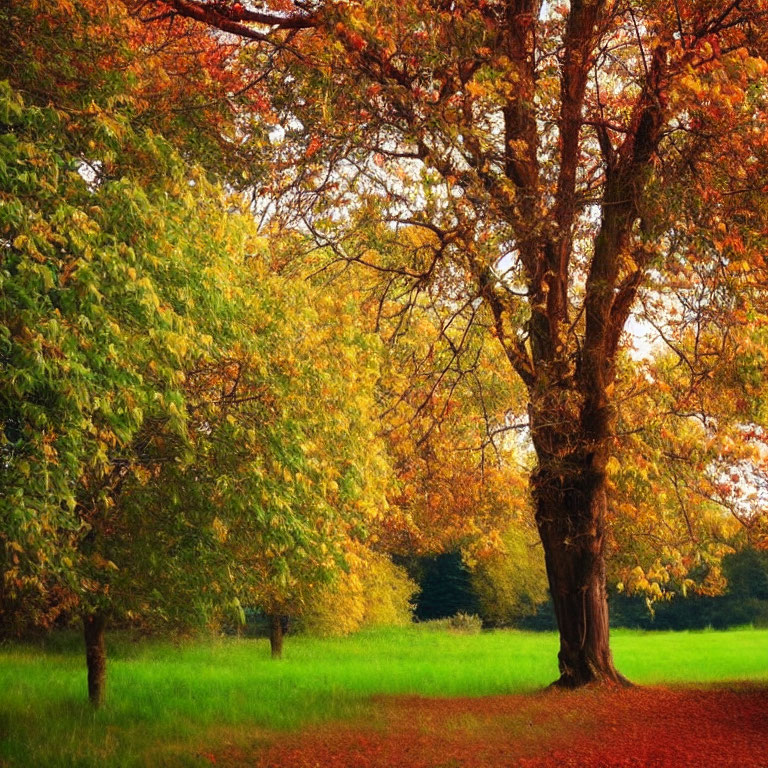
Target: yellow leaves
{"type": "Point", "coordinates": [220, 530]}
{"type": "Point", "coordinates": [142, 475]}
{"type": "Point", "coordinates": [519, 147]}
{"type": "Point", "coordinates": [753, 67]}
{"type": "Point", "coordinates": [20, 242]}
{"type": "Point", "coordinates": [372, 592]}
{"type": "Point", "coordinates": [177, 344]}
{"type": "Point", "coordinates": [637, 582]}
{"type": "Point", "coordinates": [100, 562]}
{"type": "Point", "coordinates": [301, 479]}
{"type": "Point", "coordinates": [50, 453]}
{"type": "Point", "coordinates": [740, 266]}
{"type": "Point", "coordinates": [475, 89]}
{"type": "Point", "coordinates": [693, 85]}
{"type": "Point", "coordinates": [148, 293]}
{"type": "Point", "coordinates": [174, 410]}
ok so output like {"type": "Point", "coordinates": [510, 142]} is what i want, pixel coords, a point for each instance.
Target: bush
{"type": "Point", "coordinates": [374, 592]}
{"type": "Point", "coordinates": [512, 584]}
{"type": "Point", "coordinates": [463, 623]}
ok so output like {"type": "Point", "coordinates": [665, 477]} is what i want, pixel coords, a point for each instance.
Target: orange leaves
{"type": "Point", "coordinates": [451, 492]}
{"type": "Point", "coordinates": [314, 145]}
{"type": "Point", "coordinates": [352, 38]}
{"type": "Point", "coordinates": [356, 41]}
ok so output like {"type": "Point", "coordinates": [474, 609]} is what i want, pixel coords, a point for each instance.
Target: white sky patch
{"type": "Point", "coordinates": [644, 339]}
{"type": "Point", "coordinates": [90, 173]}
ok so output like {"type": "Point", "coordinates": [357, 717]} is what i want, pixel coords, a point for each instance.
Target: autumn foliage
{"type": "Point", "coordinates": [574, 165]}
{"type": "Point", "coordinates": [290, 288]}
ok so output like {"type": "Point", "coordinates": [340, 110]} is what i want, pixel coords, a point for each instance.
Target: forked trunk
{"type": "Point", "coordinates": [570, 514]}
{"type": "Point", "coordinates": [95, 657]}
{"type": "Point", "coordinates": [276, 635]}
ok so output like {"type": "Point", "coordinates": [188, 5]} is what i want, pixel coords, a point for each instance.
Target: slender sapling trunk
{"type": "Point", "coordinates": [95, 656]}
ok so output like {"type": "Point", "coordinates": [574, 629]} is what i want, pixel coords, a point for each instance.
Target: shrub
{"type": "Point", "coordinates": [511, 584]}
{"type": "Point", "coordinates": [373, 592]}
{"type": "Point", "coordinates": [463, 623]}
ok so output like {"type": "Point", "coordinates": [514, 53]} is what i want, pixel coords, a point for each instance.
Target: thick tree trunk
{"type": "Point", "coordinates": [95, 657]}
{"type": "Point", "coordinates": [570, 513]}
{"type": "Point", "coordinates": [276, 635]}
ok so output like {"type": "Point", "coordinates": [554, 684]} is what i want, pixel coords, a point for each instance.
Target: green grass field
{"type": "Point", "coordinates": [167, 701]}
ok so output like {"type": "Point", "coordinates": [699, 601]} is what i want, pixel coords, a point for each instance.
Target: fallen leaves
{"type": "Point", "coordinates": [590, 728]}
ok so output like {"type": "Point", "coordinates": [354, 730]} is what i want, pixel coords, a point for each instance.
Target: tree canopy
{"type": "Point", "coordinates": [570, 159]}
{"type": "Point", "coordinates": [288, 287]}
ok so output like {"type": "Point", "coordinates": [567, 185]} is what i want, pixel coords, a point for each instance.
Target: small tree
{"type": "Point", "coordinates": [512, 583]}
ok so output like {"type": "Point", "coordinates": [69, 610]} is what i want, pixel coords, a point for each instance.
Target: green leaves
{"type": "Point", "coordinates": [174, 416]}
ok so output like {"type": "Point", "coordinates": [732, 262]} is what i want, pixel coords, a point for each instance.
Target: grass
{"type": "Point", "coordinates": [168, 701]}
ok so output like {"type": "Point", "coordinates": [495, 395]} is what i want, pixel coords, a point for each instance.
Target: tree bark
{"type": "Point", "coordinates": [570, 502]}
{"type": "Point", "coordinates": [95, 656]}
{"type": "Point", "coordinates": [276, 635]}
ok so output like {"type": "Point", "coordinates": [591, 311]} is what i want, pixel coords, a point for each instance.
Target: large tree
{"type": "Point", "coordinates": [540, 137]}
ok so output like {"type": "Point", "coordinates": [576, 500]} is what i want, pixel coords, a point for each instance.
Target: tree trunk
{"type": "Point", "coordinates": [95, 657]}
{"type": "Point", "coordinates": [276, 635]}
{"type": "Point", "coordinates": [570, 501]}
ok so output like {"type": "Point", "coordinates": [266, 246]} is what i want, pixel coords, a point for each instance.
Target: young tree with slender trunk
{"type": "Point", "coordinates": [95, 656]}
{"type": "Point", "coordinates": [276, 634]}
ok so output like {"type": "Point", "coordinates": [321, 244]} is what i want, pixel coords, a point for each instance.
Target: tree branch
{"type": "Point", "coordinates": [236, 18]}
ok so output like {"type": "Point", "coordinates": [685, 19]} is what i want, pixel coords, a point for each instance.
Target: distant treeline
{"type": "Point", "coordinates": [446, 588]}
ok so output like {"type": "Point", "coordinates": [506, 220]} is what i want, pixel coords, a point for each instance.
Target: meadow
{"type": "Point", "coordinates": [169, 703]}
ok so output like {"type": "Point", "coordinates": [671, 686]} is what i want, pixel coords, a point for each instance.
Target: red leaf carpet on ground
{"type": "Point", "coordinates": [638, 728]}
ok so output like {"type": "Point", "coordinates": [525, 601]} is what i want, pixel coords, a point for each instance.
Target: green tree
{"type": "Point", "coordinates": [110, 292]}
{"type": "Point", "coordinates": [511, 583]}
{"type": "Point", "coordinates": [181, 430]}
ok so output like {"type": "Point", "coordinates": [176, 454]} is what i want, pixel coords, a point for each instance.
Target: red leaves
{"type": "Point", "coordinates": [357, 42]}
{"type": "Point", "coordinates": [591, 728]}
{"type": "Point", "coordinates": [352, 39]}
{"type": "Point", "coordinates": [314, 145]}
